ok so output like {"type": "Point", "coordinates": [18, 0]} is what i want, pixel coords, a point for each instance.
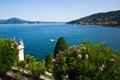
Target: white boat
{"type": "Point", "coordinates": [52, 40]}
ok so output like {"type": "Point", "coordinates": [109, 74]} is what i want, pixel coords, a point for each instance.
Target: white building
{"type": "Point", "coordinates": [21, 50]}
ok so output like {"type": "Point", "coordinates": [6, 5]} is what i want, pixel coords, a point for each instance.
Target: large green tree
{"type": "Point", "coordinates": [61, 45]}
{"type": "Point", "coordinates": [8, 54]}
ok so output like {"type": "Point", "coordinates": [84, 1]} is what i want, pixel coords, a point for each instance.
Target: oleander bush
{"type": "Point", "coordinates": [87, 62]}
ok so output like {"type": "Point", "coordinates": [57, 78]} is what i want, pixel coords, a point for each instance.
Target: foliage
{"type": "Point", "coordinates": [22, 64]}
{"type": "Point", "coordinates": [37, 68]}
{"type": "Point", "coordinates": [60, 46]}
{"type": "Point", "coordinates": [29, 59]}
{"type": "Point", "coordinates": [8, 54]}
{"type": "Point", "coordinates": [49, 63]}
{"type": "Point", "coordinates": [87, 62]}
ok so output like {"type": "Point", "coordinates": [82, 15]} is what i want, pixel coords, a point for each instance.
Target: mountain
{"type": "Point", "coordinates": [14, 21]}
{"type": "Point", "coordinates": [17, 21]}
{"type": "Point", "coordinates": [21, 21]}
{"type": "Point", "coordinates": [111, 18]}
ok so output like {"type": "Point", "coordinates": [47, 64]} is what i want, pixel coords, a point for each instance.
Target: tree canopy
{"type": "Point", "coordinates": [8, 54]}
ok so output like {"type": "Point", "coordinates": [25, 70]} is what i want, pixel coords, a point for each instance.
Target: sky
{"type": "Point", "coordinates": [55, 10]}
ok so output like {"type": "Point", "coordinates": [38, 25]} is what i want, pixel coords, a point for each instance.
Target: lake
{"type": "Point", "coordinates": [37, 37]}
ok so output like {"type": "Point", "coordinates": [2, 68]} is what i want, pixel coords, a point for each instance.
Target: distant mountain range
{"type": "Point", "coordinates": [19, 21]}
{"type": "Point", "coordinates": [111, 18]}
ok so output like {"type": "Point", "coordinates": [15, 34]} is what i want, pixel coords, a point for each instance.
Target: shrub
{"type": "Point", "coordinates": [8, 54]}
{"type": "Point", "coordinates": [87, 62]}
{"type": "Point", "coordinates": [21, 64]}
{"type": "Point", "coordinates": [29, 59]}
{"type": "Point", "coordinates": [48, 62]}
{"type": "Point", "coordinates": [34, 67]}
{"type": "Point", "coordinates": [37, 68]}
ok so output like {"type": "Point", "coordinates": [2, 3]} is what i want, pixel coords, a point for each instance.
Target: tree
{"type": "Point", "coordinates": [60, 46]}
{"type": "Point", "coordinates": [48, 62]}
{"type": "Point", "coordinates": [8, 54]}
{"type": "Point", "coordinates": [88, 62]}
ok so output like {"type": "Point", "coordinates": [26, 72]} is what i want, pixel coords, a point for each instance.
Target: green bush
{"type": "Point", "coordinates": [60, 46]}
{"type": "Point", "coordinates": [37, 68]}
{"type": "Point", "coordinates": [21, 64]}
{"type": "Point", "coordinates": [8, 54]}
{"type": "Point", "coordinates": [87, 62]}
{"type": "Point", "coordinates": [29, 59]}
{"type": "Point", "coordinates": [34, 67]}
{"type": "Point", "coordinates": [49, 63]}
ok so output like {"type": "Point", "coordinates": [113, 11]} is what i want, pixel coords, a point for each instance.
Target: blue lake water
{"type": "Point", "coordinates": [37, 36]}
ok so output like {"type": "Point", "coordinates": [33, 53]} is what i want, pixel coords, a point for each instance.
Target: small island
{"type": "Point", "coordinates": [111, 18]}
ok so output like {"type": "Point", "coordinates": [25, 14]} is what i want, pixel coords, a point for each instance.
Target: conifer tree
{"type": "Point", "coordinates": [60, 46]}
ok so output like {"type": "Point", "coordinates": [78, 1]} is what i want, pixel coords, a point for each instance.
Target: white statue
{"type": "Point", "coordinates": [21, 50]}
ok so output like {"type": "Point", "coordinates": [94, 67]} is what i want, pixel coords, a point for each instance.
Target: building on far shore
{"type": "Point", "coordinates": [21, 50]}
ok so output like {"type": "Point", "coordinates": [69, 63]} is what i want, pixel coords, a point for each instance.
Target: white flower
{"type": "Point", "coordinates": [79, 56]}
{"type": "Point", "coordinates": [112, 59]}
{"type": "Point", "coordinates": [86, 56]}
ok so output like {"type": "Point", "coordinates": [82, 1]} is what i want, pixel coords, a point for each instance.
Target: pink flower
{"type": "Point", "coordinates": [86, 56]}
{"type": "Point", "coordinates": [12, 47]}
{"type": "Point", "coordinates": [66, 76]}
{"type": "Point", "coordinates": [103, 65]}
{"type": "Point", "coordinates": [57, 60]}
{"type": "Point", "coordinates": [101, 68]}
{"type": "Point", "coordinates": [79, 56]}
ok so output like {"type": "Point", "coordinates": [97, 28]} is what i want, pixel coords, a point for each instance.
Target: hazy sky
{"type": "Point", "coordinates": [54, 10]}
